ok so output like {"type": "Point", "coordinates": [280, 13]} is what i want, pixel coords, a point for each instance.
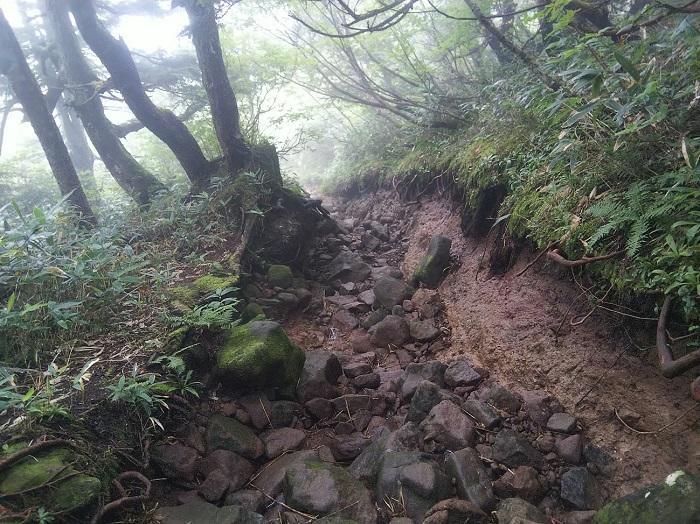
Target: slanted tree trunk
{"type": "Point", "coordinates": [222, 100]}
{"type": "Point", "coordinates": [115, 56]}
{"type": "Point", "coordinates": [129, 174]}
{"type": "Point", "coordinates": [14, 65]}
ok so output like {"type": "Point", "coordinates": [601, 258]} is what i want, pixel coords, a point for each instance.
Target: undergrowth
{"type": "Point", "coordinates": [611, 162]}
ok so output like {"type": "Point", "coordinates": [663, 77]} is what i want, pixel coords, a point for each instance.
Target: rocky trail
{"type": "Point", "coordinates": [431, 391]}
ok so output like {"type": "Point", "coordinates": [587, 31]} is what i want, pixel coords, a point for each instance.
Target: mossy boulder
{"type": "Point", "coordinates": [252, 311]}
{"type": "Point", "coordinates": [259, 355]}
{"type": "Point", "coordinates": [31, 474]}
{"type": "Point", "coordinates": [677, 500]}
{"type": "Point", "coordinates": [279, 275]}
{"type": "Point", "coordinates": [432, 267]}
{"type": "Point", "coordinates": [187, 296]}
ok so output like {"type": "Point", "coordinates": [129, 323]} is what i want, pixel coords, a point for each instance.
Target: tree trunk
{"type": "Point", "coordinates": [116, 57]}
{"type": "Point", "coordinates": [129, 174]}
{"type": "Point", "coordinates": [222, 100]}
{"type": "Point", "coordinates": [78, 146]}
{"type": "Point", "coordinates": [14, 65]}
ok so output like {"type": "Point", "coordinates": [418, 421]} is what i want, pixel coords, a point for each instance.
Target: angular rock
{"type": "Point", "coordinates": [270, 478]}
{"type": "Point", "coordinates": [447, 425]}
{"type": "Point", "coordinates": [389, 292]}
{"type": "Point", "coordinates": [258, 408]}
{"type": "Point", "coordinates": [482, 413]}
{"type": "Point", "coordinates": [676, 500]}
{"type": "Point", "coordinates": [431, 268]}
{"type": "Point", "coordinates": [320, 408]}
{"type": "Point", "coordinates": [176, 461]}
{"type": "Point", "coordinates": [514, 450]}
{"type": "Point", "coordinates": [277, 441]}
{"type": "Point", "coordinates": [561, 423]}
{"type": "Point", "coordinates": [580, 489]}
{"type": "Point", "coordinates": [522, 482]}
{"type": "Point", "coordinates": [345, 320]}
{"type": "Point", "coordinates": [368, 381]}
{"type": "Point", "coordinates": [319, 489]}
{"type": "Point", "coordinates": [214, 486]}
{"type": "Point", "coordinates": [355, 369]}
{"type": "Point", "coordinates": [501, 398]}
{"type": "Point", "coordinates": [366, 466]}
{"type": "Point", "coordinates": [423, 330]}
{"type": "Point", "coordinates": [348, 447]}
{"type": "Point", "coordinates": [540, 405]}
{"type": "Point", "coordinates": [433, 371]}
{"type": "Point", "coordinates": [570, 449]}
{"type": "Point", "coordinates": [229, 434]}
{"type": "Point", "coordinates": [319, 375]}
{"type": "Point", "coordinates": [347, 267]}
{"type": "Point", "coordinates": [518, 510]}
{"type": "Point", "coordinates": [366, 297]}
{"type": "Point", "coordinates": [391, 330]}
{"type": "Point", "coordinates": [201, 512]}
{"type": "Point", "coordinates": [460, 373]}
{"type": "Point", "coordinates": [471, 479]}
{"type": "Point", "coordinates": [426, 397]}
{"type": "Point", "coordinates": [455, 511]}
{"type": "Point", "coordinates": [236, 469]}
{"type": "Point", "coordinates": [259, 354]}
{"type": "Point", "coordinates": [374, 318]}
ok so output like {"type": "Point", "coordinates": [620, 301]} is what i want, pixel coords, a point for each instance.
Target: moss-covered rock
{"type": "Point", "coordinates": [677, 500]}
{"type": "Point", "coordinates": [187, 296]}
{"type": "Point", "coordinates": [431, 268]}
{"type": "Point", "coordinates": [252, 311]}
{"type": "Point", "coordinates": [259, 355]}
{"type": "Point", "coordinates": [40, 475]}
{"type": "Point", "coordinates": [279, 275]}
{"type": "Point", "coordinates": [229, 434]}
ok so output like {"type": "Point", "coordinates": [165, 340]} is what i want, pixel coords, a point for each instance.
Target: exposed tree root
{"type": "Point", "coordinates": [16, 457]}
{"type": "Point", "coordinates": [670, 367]}
{"type": "Point", "coordinates": [556, 256]}
{"type": "Point", "coordinates": [534, 260]}
{"type": "Point", "coordinates": [124, 498]}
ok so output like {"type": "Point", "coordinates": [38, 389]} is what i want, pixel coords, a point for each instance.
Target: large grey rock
{"type": "Point", "coordinates": [501, 398]}
{"type": "Point", "coordinates": [391, 330]}
{"type": "Point", "coordinates": [413, 478]}
{"type": "Point", "coordinates": [426, 397]}
{"type": "Point", "coordinates": [366, 466]}
{"type": "Point", "coordinates": [431, 268]}
{"type": "Point", "coordinates": [459, 373]}
{"type": "Point", "coordinates": [580, 489]}
{"type": "Point", "coordinates": [271, 477]}
{"type": "Point", "coordinates": [433, 371]}
{"type": "Point", "coordinates": [423, 330]}
{"type": "Point", "coordinates": [227, 433]}
{"type": "Point", "coordinates": [513, 450]}
{"type": "Point", "coordinates": [278, 441]}
{"type": "Point", "coordinates": [319, 376]}
{"type": "Point", "coordinates": [348, 267]}
{"type": "Point", "coordinates": [176, 461]}
{"type": "Point", "coordinates": [235, 468]}
{"type": "Point", "coordinates": [471, 479]}
{"type": "Point", "coordinates": [447, 425]}
{"type": "Point", "coordinates": [561, 423]}
{"type": "Point", "coordinates": [518, 510]}
{"type": "Point", "coordinates": [321, 489]}
{"type": "Point", "coordinates": [200, 512]}
{"type": "Point", "coordinates": [482, 413]}
{"type": "Point", "coordinates": [677, 500]}
{"type": "Point", "coordinates": [389, 292]}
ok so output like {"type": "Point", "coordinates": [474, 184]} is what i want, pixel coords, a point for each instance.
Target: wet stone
{"type": "Point", "coordinates": [561, 423]}
{"type": "Point", "coordinates": [513, 450]}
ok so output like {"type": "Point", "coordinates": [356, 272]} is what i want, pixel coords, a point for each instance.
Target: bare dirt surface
{"type": "Point", "coordinates": [507, 324]}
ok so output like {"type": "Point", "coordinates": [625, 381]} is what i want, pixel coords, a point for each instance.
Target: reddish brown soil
{"type": "Point", "coordinates": [507, 325]}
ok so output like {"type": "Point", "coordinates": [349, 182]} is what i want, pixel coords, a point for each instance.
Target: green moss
{"type": "Point", "coordinates": [186, 296]}
{"type": "Point", "coordinates": [175, 340]}
{"type": "Point", "coordinates": [252, 311]}
{"type": "Point", "coordinates": [676, 501]}
{"type": "Point", "coordinates": [259, 354]}
{"type": "Point", "coordinates": [74, 493]}
{"type": "Point", "coordinates": [208, 284]}
{"type": "Point", "coordinates": [279, 275]}
{"type": "Point", "coordinates": [36, 470]}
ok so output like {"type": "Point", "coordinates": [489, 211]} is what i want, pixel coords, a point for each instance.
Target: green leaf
{"type": "Point", "coordinates": [627, 65]}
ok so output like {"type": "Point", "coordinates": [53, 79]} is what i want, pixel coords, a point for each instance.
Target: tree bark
{"type": "Point", "coordinates": [116, 57]}
{"type": "Point", "coordinates": [222, 99]}
{"type": "Point", "coordinates": [78, 146]}
{"type": "Point", "coordinates": [129, 174]}
{"type": "Point", "coordinates": [14, 65]}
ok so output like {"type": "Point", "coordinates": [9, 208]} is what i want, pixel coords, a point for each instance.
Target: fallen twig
{"type": "Point", "coordinates": [556, 256]}
{"type": "Point", "coordinates": [534, 260]}
{"type": "Point", "coordinates": [638, 432]}
{"type": "Point", "coordinates": [671, 367]}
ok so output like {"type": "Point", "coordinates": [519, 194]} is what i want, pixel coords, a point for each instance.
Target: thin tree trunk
{"type": "Point", "coordinates": [116, 57]}
{"type": "Point", "coordinates": [78, 146]}
{"type": "Point", "coordinates": [129, 174]}
{"type": "Point", "coordinates": [222, 100]}
{"type": "Point", "coordinates": [14, 65]}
